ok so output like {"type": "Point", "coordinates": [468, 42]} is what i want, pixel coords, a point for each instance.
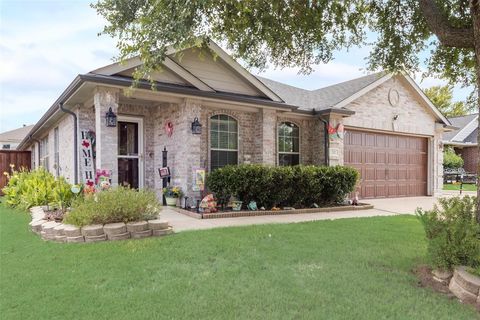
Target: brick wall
{"type": "Point", "coordinates": [470, 158]}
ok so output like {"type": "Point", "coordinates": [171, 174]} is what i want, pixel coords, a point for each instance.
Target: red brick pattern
{"type": "Point", "coordinates": [470, 158]}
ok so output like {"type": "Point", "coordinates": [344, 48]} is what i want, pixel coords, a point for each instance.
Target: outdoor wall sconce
{"type": "Point", "coordinates": [196, 126]}
{"type": "Point", "coordinates": [110, 118]}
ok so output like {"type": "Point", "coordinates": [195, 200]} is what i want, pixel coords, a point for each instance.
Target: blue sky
{"type": "Point", "coordinates": [45, 44]}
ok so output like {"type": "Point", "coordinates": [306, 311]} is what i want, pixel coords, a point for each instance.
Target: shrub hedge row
{"type": "Point", "coordinates": [297, 186]}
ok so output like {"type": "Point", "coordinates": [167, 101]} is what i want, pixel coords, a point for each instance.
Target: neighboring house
{"type": "Point", "coordinates": [464, 140]}
{"type": "Point", "coordinates": [9, 140]}
{"type": "Point", "coordinates": [392, 134]}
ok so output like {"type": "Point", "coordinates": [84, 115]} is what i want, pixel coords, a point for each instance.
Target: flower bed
{"type": "Point", "coordinates": [250, 213]}
{"type": "Point", "coordinates": [56, 231]}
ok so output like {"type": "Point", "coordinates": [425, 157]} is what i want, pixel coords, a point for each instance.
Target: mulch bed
{"type": "Point", "coordinates": [244, 213]}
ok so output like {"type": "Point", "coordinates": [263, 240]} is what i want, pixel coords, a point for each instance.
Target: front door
{"type": "Point", "coordinates": [130, 152]}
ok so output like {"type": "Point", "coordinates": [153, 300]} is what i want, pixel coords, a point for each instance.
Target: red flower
{"type": "Point", "coordinates": [85, 143]}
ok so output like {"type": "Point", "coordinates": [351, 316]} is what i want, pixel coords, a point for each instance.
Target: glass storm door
{"type": "Point", "coordinates": [130, 152]}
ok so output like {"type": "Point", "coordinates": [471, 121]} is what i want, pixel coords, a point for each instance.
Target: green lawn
{"type": "Point", "coordinates": [466, 187]}
{"type": "Point", "coordinates": [344, 269]}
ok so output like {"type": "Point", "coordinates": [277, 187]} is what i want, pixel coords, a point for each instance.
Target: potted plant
{"type": "Point", "coordinates": [172, 194]}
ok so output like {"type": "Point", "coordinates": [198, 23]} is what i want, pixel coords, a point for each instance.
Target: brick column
{"type": "Point", "coordinates": [265, 137]}
{"type": "Point", "coordinates": [106, 137]}
{"type": "Point", "coordinates": [188, 146]}
{"type": "Point", "coordinates": [336, 150]}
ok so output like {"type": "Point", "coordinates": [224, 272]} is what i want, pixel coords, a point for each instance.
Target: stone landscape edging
{"type": "Point", "coordinates": [245, 213]}
{"type": "Point", "coordinates": [59, 232]}
{"type": "Point", "coordinates": [464, 285]}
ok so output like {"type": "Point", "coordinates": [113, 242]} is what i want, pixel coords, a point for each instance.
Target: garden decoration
{"type": "Point", "coordinates": [237, 205]}
{"type": "Point", "coordinates": [87, 154]}
{"type": "Point", "coordinates": [169, 128]}
{"type": "Point", "coordinates": [172, 194]}
{"type": "Point", "coordinates": [252, 206]}
{"type": "Point", "coordinates": [208, 204]}
{"type": "Point", "coordinates": [102, 178]}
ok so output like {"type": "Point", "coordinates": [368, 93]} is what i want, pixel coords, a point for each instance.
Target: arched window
{"type": "Point", "coordinates": [288, 144]}
{"type": "Point", "coordinates": [223, 141]}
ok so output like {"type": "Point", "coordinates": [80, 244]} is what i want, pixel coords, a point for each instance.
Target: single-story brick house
{"type": "Point", "coordinates": [464, 140]}
{"type": "Point", "coordinates": [382, 124]}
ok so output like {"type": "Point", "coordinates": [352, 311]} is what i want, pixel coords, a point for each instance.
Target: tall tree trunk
{"type": "Point", "coordinates": [475, 10]}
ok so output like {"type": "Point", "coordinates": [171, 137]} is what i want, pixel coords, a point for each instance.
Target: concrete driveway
{"type": "Point", "coordinates": [383, 207]}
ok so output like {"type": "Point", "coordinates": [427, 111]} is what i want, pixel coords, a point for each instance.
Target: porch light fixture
{"type": "Point", "coordinates": [110, 118]}
{"type": "Point", "coordinates": [196, 126]}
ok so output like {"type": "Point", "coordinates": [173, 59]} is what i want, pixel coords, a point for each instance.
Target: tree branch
{"type": "Point", "coordinates": [438, 23]}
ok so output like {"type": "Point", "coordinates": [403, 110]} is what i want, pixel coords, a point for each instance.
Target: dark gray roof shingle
{"type": "Point", "coordinates": [322, 98]}
{"type": "Point", "coordinates": [459, 122]}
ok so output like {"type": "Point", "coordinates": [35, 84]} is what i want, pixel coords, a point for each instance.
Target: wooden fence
{"type": "Point", "coordinates": [17, 158]}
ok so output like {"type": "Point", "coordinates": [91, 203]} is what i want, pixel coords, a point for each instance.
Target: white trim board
{"type": "Point", "coordinates": [466, 130]}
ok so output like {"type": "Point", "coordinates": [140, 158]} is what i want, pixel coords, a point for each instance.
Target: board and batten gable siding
{"type": "Point", "coordinates": [214, 72]}
{"type": "Point", "coordinates": [164, 76]}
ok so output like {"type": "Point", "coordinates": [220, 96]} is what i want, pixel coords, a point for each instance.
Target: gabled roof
{"type": "Point", "coordinates": [191, 74]}
{"type": "Point", "coordinates": [15, 135]}
{"type": "Point", "coordinates": [466, 132]}
{"type": "Point", "coordinates": [339, 95]}
{"type": "Point", "coordinates": [322, 98]}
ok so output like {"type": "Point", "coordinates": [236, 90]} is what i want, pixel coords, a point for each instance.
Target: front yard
{"type": "Point", "coordinates": [343, 269]}
{"type": "Point", "coordinates": [456, 187]}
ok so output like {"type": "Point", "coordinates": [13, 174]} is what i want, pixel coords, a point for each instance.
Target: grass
{"type": "Point", "coordinates": [466, 187]}
{"type": "Point", "coordinates": [343, 269]}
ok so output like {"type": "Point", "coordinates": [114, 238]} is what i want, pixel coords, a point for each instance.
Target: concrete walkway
{"type": "Point", "coordinates": [383, 207]}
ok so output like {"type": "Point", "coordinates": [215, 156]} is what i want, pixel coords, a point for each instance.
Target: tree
{"type": "Point", "coordinates": [451, 160]}
{"type": "Point", "coordinates": [442, 97]}
{"type": "Point", "coordinates": [302, 33]}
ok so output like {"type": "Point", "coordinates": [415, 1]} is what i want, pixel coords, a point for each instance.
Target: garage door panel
{"type": "Point", "coordinates": [390, 165]}
{"type": "Point", "coordinates": [369, 174]}
{"type": "Point", "coordinates": [381, 157]}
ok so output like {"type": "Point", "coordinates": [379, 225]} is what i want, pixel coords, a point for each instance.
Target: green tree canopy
{"type": "Point", "coordinates": [442, 98]}
{"type": "Point", "coordinates": [303, 33]}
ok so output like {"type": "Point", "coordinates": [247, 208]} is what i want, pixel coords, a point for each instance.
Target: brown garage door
{"type": "Point", "coordinates": [389, 165]}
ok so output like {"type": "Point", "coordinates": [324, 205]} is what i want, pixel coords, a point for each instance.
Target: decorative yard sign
{"type": "Point", "coordinates": [164, 172]}
{"type": "Point", "coordinates": [103, 179]}
{"type": "Point", "coordinates": [336, 133]}
{"type": "Point", "coordinates": [198, 179]}
{"type": "Point", "coordinates": [169, 128]}
{"type": "Point", "coordinates": [87, 159]}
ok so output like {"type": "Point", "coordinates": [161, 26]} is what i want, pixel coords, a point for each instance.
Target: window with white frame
{"type": "Point", "coordinates": [288, 144]}
{"type": "Point", "coordinates": [223, 141]}
{"type": "Point", "coordinates": [56, 151]}
{"type": "Point", "coordinates": [43, 152]}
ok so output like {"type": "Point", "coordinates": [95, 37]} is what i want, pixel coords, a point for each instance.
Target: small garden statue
{"type": "Point", "coordinates": [252, 206]}
{"type": "Point", "coordinates": [208, 204]}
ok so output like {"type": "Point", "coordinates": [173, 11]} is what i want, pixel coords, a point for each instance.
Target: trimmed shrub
{"type": "Point", "coordinates": [451, 160]}
{"type": "Point", "coordinates": [114, 205]}
{"type": "Point", "coordinates": [452, 233]}
{"type": "Point", "coordinates": [38, 187]}
{"type": "Point", "coordinates": [297, 186]}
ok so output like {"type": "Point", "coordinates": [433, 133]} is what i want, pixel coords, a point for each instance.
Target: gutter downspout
{"type": "Point", "coordinates": [326, 141]}
{"type": "Point", "coordinates": [75, 142]}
